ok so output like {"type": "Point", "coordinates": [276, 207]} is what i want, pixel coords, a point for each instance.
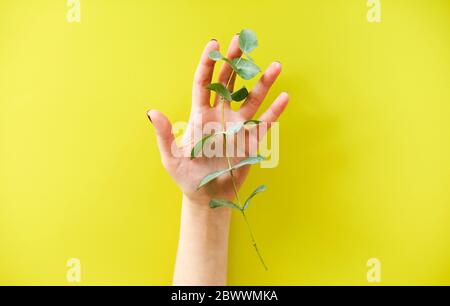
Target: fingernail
{"type": "Point", "coordinates": [213, 39]}
{"type": "Point", "coordinates": [278, 62]}
{"type": "Point", "coordinates": [148, 116]}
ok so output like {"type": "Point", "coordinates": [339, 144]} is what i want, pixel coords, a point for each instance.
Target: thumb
{"type": "Point", "coordinates": [164, 136]}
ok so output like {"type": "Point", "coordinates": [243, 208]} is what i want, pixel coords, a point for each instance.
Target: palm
{"type": "Point", "coordinates": [200, 167]}
{"type": "Point", "coordinates": [188, 173]}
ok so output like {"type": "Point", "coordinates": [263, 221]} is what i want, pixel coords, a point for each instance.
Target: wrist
{"type": "Point", "coordinates": [199, 208]}
{"type": "Point", "coordinates": [203, 247]}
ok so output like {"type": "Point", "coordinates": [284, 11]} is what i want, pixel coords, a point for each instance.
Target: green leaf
{"type": "Point", "coordinates": [258, 190]}
{"type": "Point", "coordinates": [240, 95]}
{"type": "Point", "coordinates": [248, 122]}
{"type": "Point", "coordinates": [248, 161]}
{"type": "Point", "coordinates": [237, 127]}
{"type": "Point", "coordinates": [234, 129]}
{"type": "Point", "coordinates": [223, 203]}
{"type": "Point", "coordinates": [211, 177]}
{"type": "Point", "coordinates": [245, 69]}
{"type": "Point", "coordinates": [231, 63]}
{"type": "Point", "coordinates": [248, 41]}
{"type": "Point", "coordinates": [199, 145]}
{"type": "Point", "coordinates": [221, 90]}
{"type": "Point", "coordinates": [216, 55]}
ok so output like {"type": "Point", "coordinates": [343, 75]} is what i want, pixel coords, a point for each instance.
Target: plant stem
{"type": "Point", "coordinates": [233, 180]}
{"type": "Point", "coordinates": [254, 241]}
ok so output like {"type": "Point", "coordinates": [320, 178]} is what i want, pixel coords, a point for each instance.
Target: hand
{"type": "Point", "coordinates": [188, 173]}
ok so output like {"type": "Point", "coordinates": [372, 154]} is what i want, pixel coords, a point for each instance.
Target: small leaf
{"type": "Point", "coordinates": [248, 161]}
{"type": "Point", "coordinates": [245, 68]}
{"type": "Point", "coordinates": [240, 95]}
{"type": "Point", "coordinates": [232, 63]}
{"type": "Point", "coordinates": [199, 146]}
{"type": "Point", "coordinates": [223, 203]}
{"type": "Point", "coordinates": [258, 190]}
{"type": "Point", "coordinates": [248, 41]}
{"type": "Point", "coordinates": [216, 55]}
{"type": "Point", "coordinates": [245, 162]}
{"type": "Point", "coordinates": [234, 129]}
{"type": "Point", "coordinates": [237, 127]}
{"type": "Point", "coordinates": [211, 177]}
{"type": "Point", "coordinates": [255, 122]}
{"type": "Point", "coordinates": [221, 90]}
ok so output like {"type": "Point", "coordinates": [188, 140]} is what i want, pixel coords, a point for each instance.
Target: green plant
{"type": "Point", "coordinates": [245, 67]}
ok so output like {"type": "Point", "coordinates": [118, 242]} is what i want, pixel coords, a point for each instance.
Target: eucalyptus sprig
{"type": "Point", "coordinates": [245, 68]}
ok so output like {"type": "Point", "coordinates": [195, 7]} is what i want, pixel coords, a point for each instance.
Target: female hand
{"type": "Point", "coordinates": [188, 173]}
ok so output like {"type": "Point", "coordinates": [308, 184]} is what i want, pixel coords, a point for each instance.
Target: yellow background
{"type": "Point", "coordinates": [364, 169]}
